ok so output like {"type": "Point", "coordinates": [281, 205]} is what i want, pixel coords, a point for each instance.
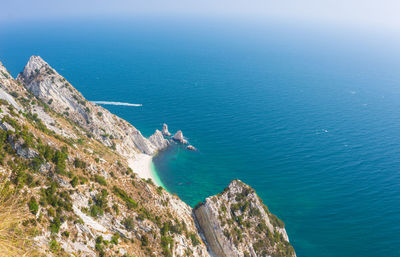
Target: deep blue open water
{"type": "Point", "coordinates": [308, 116]}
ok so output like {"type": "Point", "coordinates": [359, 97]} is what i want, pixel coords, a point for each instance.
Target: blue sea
{"type": "Point", "coordinates": [307, 115]}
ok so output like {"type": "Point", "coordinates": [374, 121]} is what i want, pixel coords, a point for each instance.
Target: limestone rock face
{"type": "Point", "coordinates": [165, 131]}
{"type": "Point", "coordinates": [6, 84]}
{"type": "Point", "coordinates": [179, 137]}
{"type": "Point", "coordinates": [45, 83]}
{"type": "Point", "coordinates": [158, 140]}
{"type": "Point", "coordinates": [237, 223]}
{"type": "Point", "coordinates": [5, 96]}
{"type": "Point", "coordinates": [19, 146]}
{"type": "Point", "coordinates": [7, 127]}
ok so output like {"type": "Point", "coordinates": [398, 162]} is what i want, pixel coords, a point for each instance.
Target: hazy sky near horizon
{"type": "Point", "coordinates": [366, 13]}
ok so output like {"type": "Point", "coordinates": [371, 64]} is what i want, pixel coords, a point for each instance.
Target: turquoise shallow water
{"type": "Point", "coordinates": [307, 116]}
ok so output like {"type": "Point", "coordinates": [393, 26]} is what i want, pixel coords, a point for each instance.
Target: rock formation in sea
{"type": "Point", "coordinates": [165, 131]}
{"type": "Point", "coordinates": [179, 137]}
{"type": "Point", "coordinates": [191, 148]}
{"type": "Point", "coordinates": [70, 160]}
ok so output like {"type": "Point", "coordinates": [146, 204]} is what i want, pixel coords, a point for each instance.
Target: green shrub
{"type": "Point", "coordinates": [100, 249]}
{"type": "Point", "coordinates": [144, 240]}
{"type": "Point", "coordinates": [114, 238]}
{"type": "Point", "coordinates": [65, 233]}
{"type": "Point", "coordinates": [100, 179]}
{"type": "Point", "coordinates": [115, 208]}
{"type": "Point", "coordinates": [59, 160]}
{"type": "Point", "coordinates": [130, 203]}
{"type": "Point", "coordinates": [54, 246]}
{"type": "Point", "coordinates": [159, 190]}
{"type": "Point", "coordinates": [36, 163]}
{"type": "Point", "coordinates": [48, 195]}
{"type": "Point", "coordinates": [78, 163]}
{"type": "Point", "coordinates": [99, 240]}
{"type": "Point", "coordinates": [51, 212]}
{"type": "Point", "coordinates": [149, 181]}
{"type": "Point", "coordinates": [167, 244]}
{"type": "Point", "coordinates": [128, 223]}
{"type": "Point", "coordinates": [261, 227]}
{"type": "Point", "coordinates": [195, 240]}
{"type": "Point", "coordinates": [96, 211]}
{"type": "Point", "coordinates": [100, 203]}
{"type": "Point", "coordinates": [21, 178]}
{"type": "Point", "coordinates": [276, 222]}
{"type": "Point", "coordinates": [33, 205]}
{"type": "Point", "coordinates": [83, 180]}
{"type": "Point", "coordinates": [55, 225]}
{"type": "Point", "coordinates": [74, 181]}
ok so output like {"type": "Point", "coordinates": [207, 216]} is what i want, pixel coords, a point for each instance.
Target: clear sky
{"type": "Point", "coordinates": [367, 13]}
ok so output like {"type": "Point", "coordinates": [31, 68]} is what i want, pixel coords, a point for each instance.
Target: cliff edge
{"type": "Point", "coordinates": [236, 223]}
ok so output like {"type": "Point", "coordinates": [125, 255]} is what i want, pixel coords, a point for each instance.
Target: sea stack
{"type": "Point", "coordinates": [165, 131]}
{"type": "Point", "coordinates": [179, 137]}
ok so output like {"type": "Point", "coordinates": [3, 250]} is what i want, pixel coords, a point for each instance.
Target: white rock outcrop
{"type": "Point", "coordinates": [19, 146]}
{"type": "Point", "coordinates": [6, 83]}
{"type": "Point", "coordinates": [179, 137]}
{"type": "Point", "coordinates": [158, 140]}
{"type": "Point", "coordinates": [165, 131]}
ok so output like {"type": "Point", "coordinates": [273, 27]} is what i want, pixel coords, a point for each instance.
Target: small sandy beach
{"type": "Point", "coordinates": [141, 165]}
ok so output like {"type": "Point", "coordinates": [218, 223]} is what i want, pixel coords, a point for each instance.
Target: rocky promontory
{"type": "Point", "coordinates": [236, 223]}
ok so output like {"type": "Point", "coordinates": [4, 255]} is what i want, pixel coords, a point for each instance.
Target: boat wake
{"type": "Point", "coordinates": [116, 103]}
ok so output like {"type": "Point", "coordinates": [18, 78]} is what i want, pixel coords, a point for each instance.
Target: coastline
{"type": "Point", "coordinates": [143, 165]}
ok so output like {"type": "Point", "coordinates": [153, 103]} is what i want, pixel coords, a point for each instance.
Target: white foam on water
{"type": "Point", "coordinates": [116, 103]}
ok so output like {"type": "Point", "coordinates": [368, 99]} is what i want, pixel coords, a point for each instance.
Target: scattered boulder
{"type": "Point", "coordinates": [179, 137]}
{"type": "Point", "coordinates": [165, 131]}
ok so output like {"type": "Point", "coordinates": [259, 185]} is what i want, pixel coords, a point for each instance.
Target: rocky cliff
{"type": "Point", "coordinates": [237, 223]}
{"type": "Point", "coordinates": [50, 87]}
{"type": "Point", "coordinates": [68, 160]}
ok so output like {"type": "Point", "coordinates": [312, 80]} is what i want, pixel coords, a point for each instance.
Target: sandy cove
{"type": "Point", "coordinates": [141, 165]}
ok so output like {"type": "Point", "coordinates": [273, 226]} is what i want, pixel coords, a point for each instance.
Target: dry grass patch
{"type": "Point", "coordinates": [13, 239]}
